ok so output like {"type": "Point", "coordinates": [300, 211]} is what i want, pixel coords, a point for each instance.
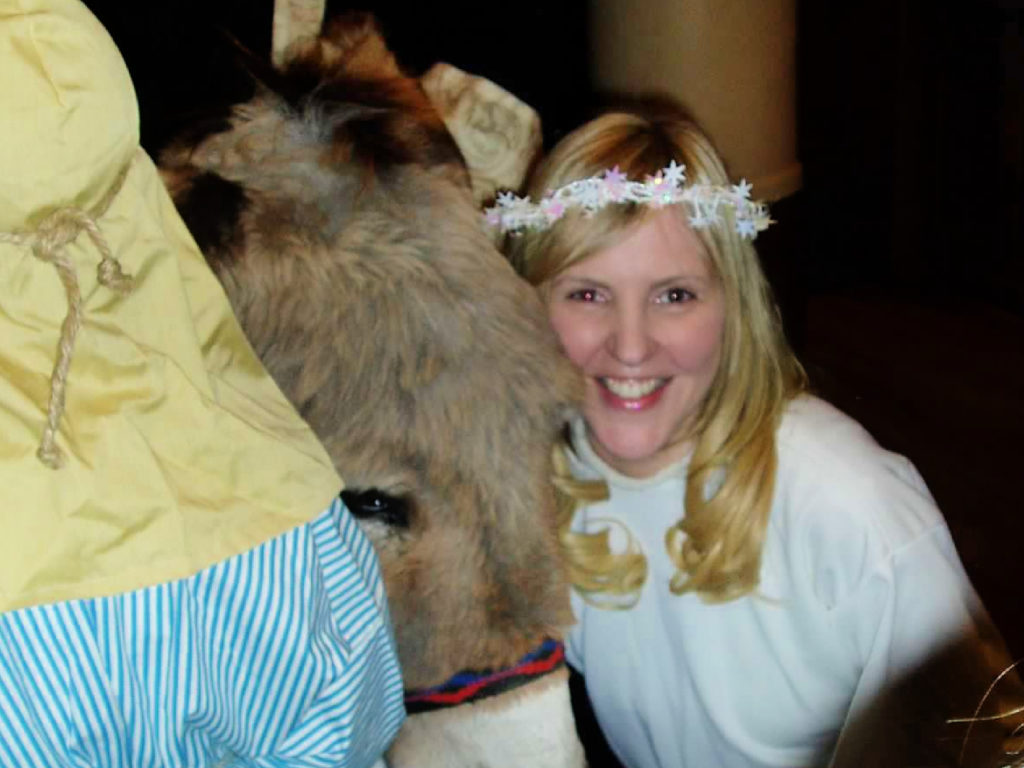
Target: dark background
{"type": "Point", "coordinates": [911, 115]}
{"type": "Point", "coordinates": [908, 304]}
{"type": "Point", "coordinates": [900, 264]}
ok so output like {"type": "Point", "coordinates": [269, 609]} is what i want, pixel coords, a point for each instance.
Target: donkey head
{"type": "Point", "coordinates": [337, 211]}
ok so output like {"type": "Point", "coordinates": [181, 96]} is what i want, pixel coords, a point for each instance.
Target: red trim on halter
{"type": "Point", "coordinates": [469, 685]}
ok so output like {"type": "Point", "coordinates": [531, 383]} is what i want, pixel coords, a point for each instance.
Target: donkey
{"type": "Point", "coordinates": [337, 212]}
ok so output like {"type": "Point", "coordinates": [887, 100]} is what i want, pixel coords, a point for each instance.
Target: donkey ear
{"type": "Point", "coordinates": [294, 20]}
{"type": "Point", "coordinates": [353, 43]}
{"type": "Point", "coordinates": [498, 134]}
{"type": "Point", "coordinates": [349, 42]}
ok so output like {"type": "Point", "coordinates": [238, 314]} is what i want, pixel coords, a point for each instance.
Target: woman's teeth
{"type": "Point", "coordinates": [631, 389]}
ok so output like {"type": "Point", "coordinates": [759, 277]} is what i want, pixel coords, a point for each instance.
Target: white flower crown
{"type": "Point", "coordinates": [513, 214]}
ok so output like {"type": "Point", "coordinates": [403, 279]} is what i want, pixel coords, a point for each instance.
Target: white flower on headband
{"type": "Point", "coordinates": [667, 187]}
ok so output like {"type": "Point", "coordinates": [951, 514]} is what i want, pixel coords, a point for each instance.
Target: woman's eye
{"type": "Point", "coordinates": [584, 294]}
{"type": "Point", "coordinates": [676, 296]}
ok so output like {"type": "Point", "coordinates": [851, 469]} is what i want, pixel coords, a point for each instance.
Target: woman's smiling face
{"type": "Point", "coordinates": [643, 319]}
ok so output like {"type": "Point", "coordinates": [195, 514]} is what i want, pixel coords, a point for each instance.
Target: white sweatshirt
{"type": "Point", "coordinates": [860, 582]}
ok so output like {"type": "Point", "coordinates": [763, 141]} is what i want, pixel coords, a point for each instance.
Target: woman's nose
{"type": "Point", "coordinates": [631, 342]}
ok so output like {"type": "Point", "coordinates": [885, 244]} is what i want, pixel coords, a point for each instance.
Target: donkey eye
{"type": "Point", "coordinates": [374, 504]}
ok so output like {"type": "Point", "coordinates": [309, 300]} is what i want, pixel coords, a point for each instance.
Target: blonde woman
{"type": "Point", "coordinates": [754, 573]}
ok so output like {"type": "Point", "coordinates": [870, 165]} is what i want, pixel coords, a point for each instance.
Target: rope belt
{"type": "Point", "coordinates": [48, 241]}
{"type": "Point", "coordinates": [469, 686]}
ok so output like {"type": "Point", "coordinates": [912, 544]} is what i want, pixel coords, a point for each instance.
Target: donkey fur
{"type": "Point", "coordinates": [337, 212]}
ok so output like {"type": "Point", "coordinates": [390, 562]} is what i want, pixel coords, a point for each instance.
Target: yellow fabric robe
{"type": "Point", "coordinates": [179, 450]}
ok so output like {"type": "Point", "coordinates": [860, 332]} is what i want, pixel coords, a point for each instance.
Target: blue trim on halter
{"type": "Point", "coordinates": [472, 685]}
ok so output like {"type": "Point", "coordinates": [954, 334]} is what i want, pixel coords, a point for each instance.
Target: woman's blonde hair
{"type": "Point", "coordinates": [717, 545]}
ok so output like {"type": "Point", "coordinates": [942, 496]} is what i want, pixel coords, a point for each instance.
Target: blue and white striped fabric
{"type": "Point", "coordinates": [281, 656]}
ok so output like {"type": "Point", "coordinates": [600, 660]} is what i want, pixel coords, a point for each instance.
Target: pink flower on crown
{"type": "Point", "coordinates": [614, 184]}
{"type": "Point", "coordinates": [552, 209]}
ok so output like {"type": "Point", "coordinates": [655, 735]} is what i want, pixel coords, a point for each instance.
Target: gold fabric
{"type": "Point", "coordinates": [179, 450]}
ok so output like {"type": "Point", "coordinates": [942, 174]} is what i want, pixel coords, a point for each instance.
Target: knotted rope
{"type": "Point", "coordinates": [48, 241]}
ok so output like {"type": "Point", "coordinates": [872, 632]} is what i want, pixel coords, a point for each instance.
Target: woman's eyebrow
{"type": "Point", "coordinates": [579, 279]}
{"type": "Point", "coordinates": [683, 277]}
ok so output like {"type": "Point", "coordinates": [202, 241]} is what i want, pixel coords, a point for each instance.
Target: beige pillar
{"type": "Point", "coordinates": [731, 62]}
